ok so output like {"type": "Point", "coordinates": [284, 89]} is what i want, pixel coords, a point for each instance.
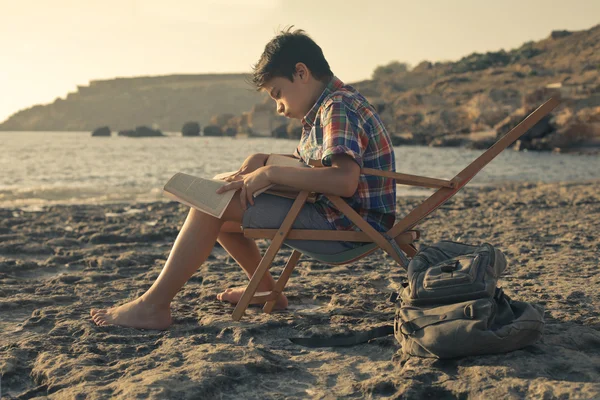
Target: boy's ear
{"type": "Point", "coordinates": [302, 72]}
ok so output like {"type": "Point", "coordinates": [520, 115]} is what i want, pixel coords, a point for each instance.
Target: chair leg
{"type": "Point", "coordinates": [282, 281]}
{"type": "Point", "coordinates": [263, 267]}
{"type": "Point", "coordinates": [409, 249]}
{"type": "Point", "coordinates": [265, 262]}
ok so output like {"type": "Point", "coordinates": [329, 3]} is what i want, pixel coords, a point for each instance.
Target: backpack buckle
{"type": "Point", "coordinates": [450, 267]}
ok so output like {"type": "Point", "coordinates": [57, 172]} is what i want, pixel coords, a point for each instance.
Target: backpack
{"type": "Point", "coordinates": [452, 306]}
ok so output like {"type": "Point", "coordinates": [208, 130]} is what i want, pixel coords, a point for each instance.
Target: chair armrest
{"type": "Point", "coordinates": [406, 179]}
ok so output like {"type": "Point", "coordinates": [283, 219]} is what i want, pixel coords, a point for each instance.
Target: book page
{"type": "Point", "coordinates": [276, 159]}
{"type": "Point", "coordinates": [199, 193]}
{"type": "Point", "coordinates": [223, 175]}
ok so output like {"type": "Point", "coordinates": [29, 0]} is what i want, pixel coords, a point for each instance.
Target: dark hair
{"type": "Point", "coordinates": [282, 54]}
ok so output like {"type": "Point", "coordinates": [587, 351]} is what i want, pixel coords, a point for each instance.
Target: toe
{"type": "Point", "coordinates": [97, 311]}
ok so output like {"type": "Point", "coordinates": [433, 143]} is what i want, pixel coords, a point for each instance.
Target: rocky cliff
{"type": "Point", "coordinates": [166, 102]}
{"type": "Point", "coordinates": [494, 91]}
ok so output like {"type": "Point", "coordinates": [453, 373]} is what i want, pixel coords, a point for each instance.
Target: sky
{"type": "Point", "coordinates": [48, 47]}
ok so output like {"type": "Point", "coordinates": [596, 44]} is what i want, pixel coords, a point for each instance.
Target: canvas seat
{"type": "Point", "coordinates": [344, 257]}
{"type": "Point", "coordinates": [398, 242]}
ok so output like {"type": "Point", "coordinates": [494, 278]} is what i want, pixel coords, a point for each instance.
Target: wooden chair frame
{"type": "Point", "coordinates": [397, 243]}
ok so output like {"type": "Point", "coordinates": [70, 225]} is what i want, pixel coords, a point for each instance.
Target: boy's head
{"type": "Point", "coordinates": [293, 70]}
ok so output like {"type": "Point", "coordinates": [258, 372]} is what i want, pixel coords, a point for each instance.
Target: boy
{"type": "Point", "coordinates": [340, 128]}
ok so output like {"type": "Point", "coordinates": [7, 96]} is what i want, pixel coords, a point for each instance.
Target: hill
{"type": "Point", "coordinates": [483, 92]}
{"type": "Point", "coordinates": [123, 103]}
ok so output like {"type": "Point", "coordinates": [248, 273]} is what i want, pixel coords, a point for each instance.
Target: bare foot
{"type": "Point", "coordinates": [135, 314]}
{"type": "Point", "coordinates": [234, 295]}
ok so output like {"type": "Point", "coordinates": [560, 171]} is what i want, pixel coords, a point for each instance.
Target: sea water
{"type": "Point", "coordinates": [42, 168]}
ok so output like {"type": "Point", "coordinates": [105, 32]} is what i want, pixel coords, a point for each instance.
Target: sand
{"type": "Point", "coordinates": [57, 263]}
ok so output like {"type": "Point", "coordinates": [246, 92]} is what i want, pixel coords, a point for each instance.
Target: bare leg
{"type": "Point", "coordinates": [192, 247]}
{"type": "Point", "coordinates": [247, 255]}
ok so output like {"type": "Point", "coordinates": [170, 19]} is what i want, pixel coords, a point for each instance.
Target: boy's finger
{"type": "Point", "coordinates": [249, 197]}
{"type": "Point", "coordinates": [229, 186]}
{"type": "Point", "coordinates": [234, 177]}
{"type": "Point", "coordinates": [243, 197]}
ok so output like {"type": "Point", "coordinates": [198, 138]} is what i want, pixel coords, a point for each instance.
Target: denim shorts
{"type": "Point", "coordinates": [269, 211]}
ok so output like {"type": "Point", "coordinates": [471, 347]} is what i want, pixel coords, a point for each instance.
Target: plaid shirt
{"type": "Point", "coordinates": [343, 122]}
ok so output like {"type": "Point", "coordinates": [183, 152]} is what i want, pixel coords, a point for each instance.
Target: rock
{"type": "Point", "coordinates": [263, 118]}
{"type": "Point", "coordinates": [575, 134]}
{"type": "Point", "coordinates": [450, 141]}
{"type": "Point", "coordinates": [190, 129]}
{"type": "Point", "coordinates": [141, 131]}
{"type": "Point", "coordinates": [405, 139]}
{"type": "Point", "coordinates": [221, 120]}
{"type": "Point", "coordinates": [280, 131]}
{"type": "Point", "coordinates": [212, 130]}
{"type": "Point", "coordinates": [541, 129]}
{"type": "Point", "coordinates": [294, 129]}
{"type": "Point", "coordinates": [145, 131]}
{"type": "Point", "coordinates": [574, 130]}
{"type": "Point", "coordinates": [533, 99]}
{"type": "Point", "coordinates": [482, 143]}
{"type": "Point", "coordinates": [102, 131]}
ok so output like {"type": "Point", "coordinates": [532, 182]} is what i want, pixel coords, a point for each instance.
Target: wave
{"type": "Point", "coordinates": [33, 198]}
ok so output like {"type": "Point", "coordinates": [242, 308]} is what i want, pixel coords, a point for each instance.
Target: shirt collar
{"type": "Point", "coordinates": [333, 85]}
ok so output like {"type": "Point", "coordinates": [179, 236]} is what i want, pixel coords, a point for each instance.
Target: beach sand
{"type": "Point", "coordinates": [58, 263]}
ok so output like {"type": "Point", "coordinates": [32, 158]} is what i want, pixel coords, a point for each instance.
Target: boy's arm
{"type": "Point", "coordinates": [250, 164]}
{"type": "Point", "coordinates": [340, 179]}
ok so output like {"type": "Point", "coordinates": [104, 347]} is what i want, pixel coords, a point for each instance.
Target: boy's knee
{"type": "Point", "coordinates": [234, 212]}
{"type": "Point", "coordinates": [231, 227]}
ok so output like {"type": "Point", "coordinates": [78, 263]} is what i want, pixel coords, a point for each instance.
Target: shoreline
{"type": "Point", "coordinates": [58, 263]}
{"type": "Point", "coordinates": [401, 192]}
{"type": "Point", "coordinates": [582, 149]}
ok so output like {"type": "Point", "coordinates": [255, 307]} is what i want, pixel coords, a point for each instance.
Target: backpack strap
{"type": "Point", "coordinates": [395, 246]}
{"type": "Point", "coordinates": [410, 327]}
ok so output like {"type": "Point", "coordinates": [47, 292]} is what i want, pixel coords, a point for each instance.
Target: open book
{"type": "Point", "coordinates": [200, 193]}
{"type": "Point", "coordinates": [278, 190]}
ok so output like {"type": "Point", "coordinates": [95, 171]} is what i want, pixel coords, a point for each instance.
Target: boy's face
{"type": "Point", "coordinates": [293, 99]}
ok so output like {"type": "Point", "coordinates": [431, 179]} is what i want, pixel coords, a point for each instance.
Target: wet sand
{"type": "Point", "coordinates": [58, 263]}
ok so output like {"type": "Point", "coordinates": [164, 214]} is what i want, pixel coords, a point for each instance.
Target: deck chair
{"type": "Point", "coordinates": [398, 242]}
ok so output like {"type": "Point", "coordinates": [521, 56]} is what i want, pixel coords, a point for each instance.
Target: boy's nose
{"type": "Point", "coordinates": [280, 108]}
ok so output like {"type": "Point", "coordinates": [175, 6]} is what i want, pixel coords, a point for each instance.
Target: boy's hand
{"type": "Point", "coordinates": [248, 184]}
{"type": "Point", "coordinates": [251, 164]}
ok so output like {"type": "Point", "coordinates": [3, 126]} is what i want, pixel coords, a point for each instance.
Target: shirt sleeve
{"type": "Point", "coordinates": [342, 134]}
